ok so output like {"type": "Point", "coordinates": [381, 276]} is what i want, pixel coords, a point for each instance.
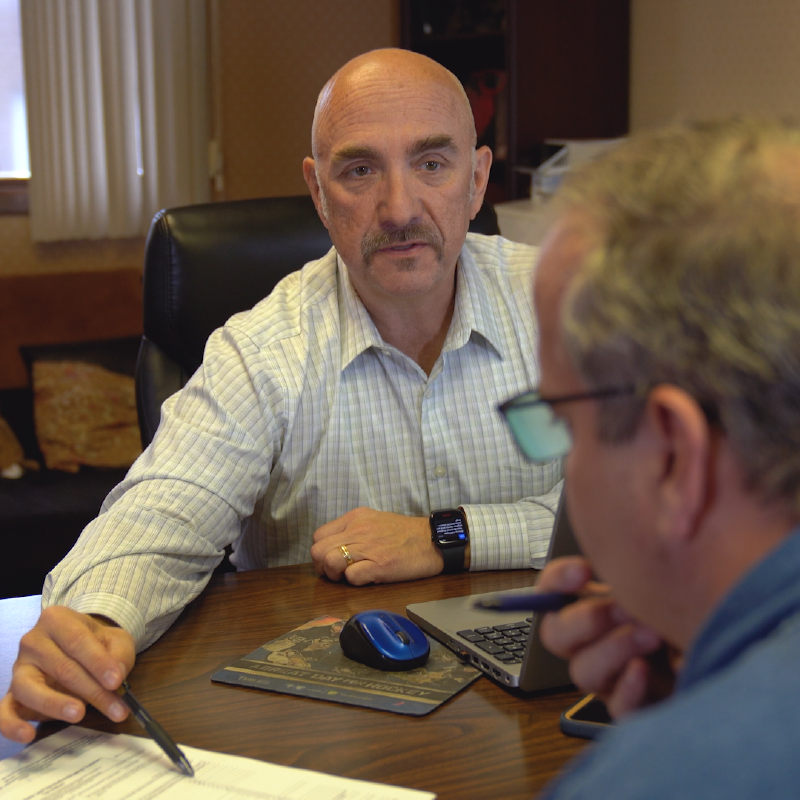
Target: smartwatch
{"type": "Point", "coordinates": [449, 532]}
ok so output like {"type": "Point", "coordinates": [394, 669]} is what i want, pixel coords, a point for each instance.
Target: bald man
{"type": "Point", "coordinates": [329, 422]}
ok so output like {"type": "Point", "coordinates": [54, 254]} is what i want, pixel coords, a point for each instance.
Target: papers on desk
{"type": "Point", "coordinates": [77, 763]}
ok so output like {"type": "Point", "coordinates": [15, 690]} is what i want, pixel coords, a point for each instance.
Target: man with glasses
{"type": "Point", "coordinates": [668, 295]}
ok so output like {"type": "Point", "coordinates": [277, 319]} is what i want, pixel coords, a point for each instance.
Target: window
{"type": "Point", "coordinates": [14, 168]}
{"type": "Point", "coordinates": [117, 113]}
{"type": "Point", "coordinates": [13, 128]}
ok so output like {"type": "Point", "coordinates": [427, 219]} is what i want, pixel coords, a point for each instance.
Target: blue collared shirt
{"type": "Point", "coordinates": [732, 727]}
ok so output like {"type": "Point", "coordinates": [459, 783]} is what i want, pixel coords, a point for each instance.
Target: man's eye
{"type": "Point", "coordinates": [360, 172]}
{"type": "Point", "coordinates": [431, 166]}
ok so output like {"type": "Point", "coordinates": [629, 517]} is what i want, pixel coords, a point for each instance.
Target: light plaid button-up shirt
{"type": "Point", "coordinates": [300, 413]}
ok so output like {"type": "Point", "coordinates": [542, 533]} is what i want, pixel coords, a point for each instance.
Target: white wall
{"type": "Point", "coordinates": [694, 59]}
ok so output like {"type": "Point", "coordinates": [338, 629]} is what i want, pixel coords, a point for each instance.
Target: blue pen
{"type": "Point", "coordinates": [530, 601]}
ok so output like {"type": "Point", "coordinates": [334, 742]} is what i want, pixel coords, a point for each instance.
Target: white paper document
{"type": "Point", "coordinates": [78, 763]}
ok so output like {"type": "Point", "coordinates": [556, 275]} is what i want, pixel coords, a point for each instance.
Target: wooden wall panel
{"type": "Point", "coordinates": [69, 307]}
{"type": "Point", "coordinates": [696, 59]}
{"type": "Point", "coordinates": [274, 57]}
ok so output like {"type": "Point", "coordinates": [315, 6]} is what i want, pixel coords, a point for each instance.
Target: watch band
{"type": "Point", "coordinates": [450, 533]}
{"type": "Point", "coordinates": [453, 558]}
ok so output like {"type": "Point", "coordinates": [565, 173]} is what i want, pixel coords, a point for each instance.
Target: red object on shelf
{"type": "Point", "coordinates": [482, 88]}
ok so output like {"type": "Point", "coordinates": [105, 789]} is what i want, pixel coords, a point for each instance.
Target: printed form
{"type": "Point", "coordinates": [77, 763]}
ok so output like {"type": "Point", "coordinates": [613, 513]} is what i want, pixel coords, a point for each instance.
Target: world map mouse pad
{"type": "Point", "coordinates": [309, 662]}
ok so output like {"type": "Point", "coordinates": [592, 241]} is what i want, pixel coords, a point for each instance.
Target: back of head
{"type": "Point", "coordinates": [695, 281]}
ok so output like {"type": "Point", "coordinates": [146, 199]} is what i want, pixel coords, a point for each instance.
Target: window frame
{"type": "Point", "coordinates": [14, 196]}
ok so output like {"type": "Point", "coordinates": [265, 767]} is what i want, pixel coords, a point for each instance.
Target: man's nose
{"type": "Point", "coordinates": [399, 204]}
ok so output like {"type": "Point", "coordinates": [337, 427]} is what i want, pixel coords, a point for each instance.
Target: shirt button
{"type": "Point", "coordinates": [440, 472]}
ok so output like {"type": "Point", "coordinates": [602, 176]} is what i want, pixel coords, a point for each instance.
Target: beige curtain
{"type": "Point", "coordinates": [117, 113]}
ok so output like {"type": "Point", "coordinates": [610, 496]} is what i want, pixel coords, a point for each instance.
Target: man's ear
{"type": "Point", "coordinates": [679, 431]}
{"type": "Point", "coordinates": [310, 174]}
{"type": "Point", "coordinates": [483, 163]}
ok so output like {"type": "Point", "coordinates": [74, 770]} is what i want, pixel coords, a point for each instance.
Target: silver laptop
{"type": "Point", "coordinates": [504, 644]}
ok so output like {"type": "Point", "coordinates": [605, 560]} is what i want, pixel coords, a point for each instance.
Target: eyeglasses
{"type": "Point", "coordinates": [538, 432]}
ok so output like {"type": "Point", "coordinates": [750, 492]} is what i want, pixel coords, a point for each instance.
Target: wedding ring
{"type": "Point", "coordinates": [346, 555]}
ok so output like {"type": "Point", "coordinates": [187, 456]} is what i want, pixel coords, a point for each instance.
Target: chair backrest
{"type": "Point", "coordinates": [204, 263]}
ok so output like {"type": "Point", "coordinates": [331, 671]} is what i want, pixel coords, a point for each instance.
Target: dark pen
{"type": "Point", "coordinates": [161, 737]}
{"type": "Point", "coordinates": [529, 601]}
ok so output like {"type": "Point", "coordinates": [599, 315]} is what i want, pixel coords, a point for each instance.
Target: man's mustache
{"type": "Point", "coordinates": [372, 242]}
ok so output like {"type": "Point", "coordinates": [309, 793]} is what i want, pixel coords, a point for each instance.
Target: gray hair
{"type": "Point", "coordinates": [695, 282]}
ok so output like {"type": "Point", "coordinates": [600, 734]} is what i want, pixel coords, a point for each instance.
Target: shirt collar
{"type": "Point", "coordinates": [767, 595]}
{"type": "Point", "coordinates": [358, 331]}
{"type": "Point", "coordinates": [473, 312]}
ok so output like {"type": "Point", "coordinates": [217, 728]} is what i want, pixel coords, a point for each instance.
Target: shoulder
{"type": "Point", "coordinates": [501, 271]}
{"type": "Point", "coordinates": [298, 305]}
{"type": "Point", "coordinates": [492, 253]}
{"type": "Point", "coordinates": [732, 735]}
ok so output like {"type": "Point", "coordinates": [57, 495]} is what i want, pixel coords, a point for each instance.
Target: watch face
{"type": "Point", "coordinates": [449, 528]}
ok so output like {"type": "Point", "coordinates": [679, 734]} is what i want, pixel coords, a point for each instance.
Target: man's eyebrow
{"type": "Point", "coordinates": [438, 141]}
{"type": "Point", "coordinates": [356, 152]}
{"type": "Point", "coordinates": [353, 153]}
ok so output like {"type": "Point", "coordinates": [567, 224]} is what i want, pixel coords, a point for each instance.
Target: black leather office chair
{"type": "Point", "coordinates": [204, 263]}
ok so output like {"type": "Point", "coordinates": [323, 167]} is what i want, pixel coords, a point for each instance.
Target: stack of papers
{"type": "Point", "coordinates": [77, 763]}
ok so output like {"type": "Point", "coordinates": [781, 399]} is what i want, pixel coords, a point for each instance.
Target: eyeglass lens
{"type": "Point", "coordinates": [540, 434]}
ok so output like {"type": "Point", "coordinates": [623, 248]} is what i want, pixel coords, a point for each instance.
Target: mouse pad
{"type": "Point", "coordinates": [309, 662]}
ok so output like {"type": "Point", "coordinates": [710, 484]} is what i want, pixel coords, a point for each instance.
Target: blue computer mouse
{"type": "Point", "coordinates": [384, 640]}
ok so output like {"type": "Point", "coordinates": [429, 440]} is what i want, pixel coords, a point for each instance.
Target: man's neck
{"type": "Point", "coordinates": [417, 326]}
{"type": "Point", "coordinates": [418, 330]}
{"type": "Point", "coordinates": [743, 531]}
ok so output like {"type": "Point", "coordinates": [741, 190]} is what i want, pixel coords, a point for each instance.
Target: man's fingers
{"type": "Point", "coordinates": [84, 648]}
{"type": "Point", "coordinates": [334, 562]}
{"type": "Point", "coordinates": [37, 699]}
{"type": "Point", "coordinates": [65, 661]}
{"type": "Point", "coordinates": [599, 666]}
{"type": "Point", "coordinates": [389, 547]}
{"type": "Point", "coordinates": [332, 567]}
{"type": "Point", "coordinates": [630, 690]}
{"type": "Point", "coordinates": [326, 553]}
{"type": "Point", "coordinates": [13, 721]}
{"type": "Point", "coordinates": [328, 529]}
{"type": "Point", "coordinates": [338, 525]}
{"type": "Point", "coordinates": [565, 633]}
{"type": "Point", "coordinates": [361, 573]}
{"type": "Point", "coordinates": [567, 574]}
{"type": "Point", "coordinates": [55, 686]}
{"type": "Point", "coordinates": [83, 640]}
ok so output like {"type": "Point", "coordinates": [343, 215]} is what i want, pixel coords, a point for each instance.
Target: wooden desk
{"type": "Point", "coordinates": [485, 743]}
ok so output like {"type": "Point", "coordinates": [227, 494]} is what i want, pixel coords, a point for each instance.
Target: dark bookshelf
{"type": "Point", "coordinates": [535, 71]}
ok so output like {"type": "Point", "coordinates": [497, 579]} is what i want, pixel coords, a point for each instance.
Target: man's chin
{"type": "Point", "coordinates": [406, 265]}
{"type": "Point", "coordinates": [406, 282]}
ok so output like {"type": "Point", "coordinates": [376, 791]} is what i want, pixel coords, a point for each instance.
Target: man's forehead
{"type": "Point", "coordinates": [563, 253]}
{"type": "Point", "coordinates": [373, 102]}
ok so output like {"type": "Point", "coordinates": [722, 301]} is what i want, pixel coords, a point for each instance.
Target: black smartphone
{"type": "Point", "coordinates": [586, 719]}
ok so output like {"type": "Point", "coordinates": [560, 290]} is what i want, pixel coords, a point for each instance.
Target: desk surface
{"type": "Point", "coordinates": [486, 742]}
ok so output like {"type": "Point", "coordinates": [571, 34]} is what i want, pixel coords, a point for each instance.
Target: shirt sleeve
{"type": "Point", "coordinates": [514, 535]}
{"type": "Point", "coordinates": [163, 530]}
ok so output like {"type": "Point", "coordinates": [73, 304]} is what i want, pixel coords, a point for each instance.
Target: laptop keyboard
{"type": "Point", "coordinates": [504, 642]}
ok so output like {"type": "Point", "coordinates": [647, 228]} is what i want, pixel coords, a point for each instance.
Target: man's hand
{"type": "Point", "coordinates": [385, 548]}
{"type": "Point", "coordinates": [65, 661]}
{"type": "Point", "coordinates": [609, 653]}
